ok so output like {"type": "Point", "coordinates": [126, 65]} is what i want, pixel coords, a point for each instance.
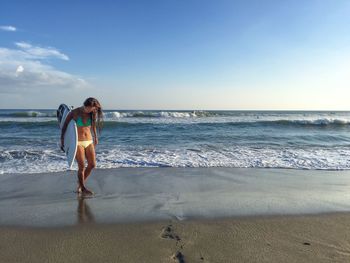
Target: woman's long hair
{"type": "Point", "coordinates": [97, 117]}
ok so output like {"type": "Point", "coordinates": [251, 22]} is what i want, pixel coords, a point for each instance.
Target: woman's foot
{"type": "Point", "coordinates": [86, 191]}
{"type": "Point", "coordinates": [83, 190]}
{"type": "Point", "coordinates": [79, 188]}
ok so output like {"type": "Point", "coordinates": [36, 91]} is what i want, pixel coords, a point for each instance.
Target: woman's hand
{"type": "Point", "coordinates": [95, 141]}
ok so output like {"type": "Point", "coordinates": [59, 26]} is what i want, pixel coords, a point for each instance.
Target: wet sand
{"type": "Point", "coordinates": [158, 194]}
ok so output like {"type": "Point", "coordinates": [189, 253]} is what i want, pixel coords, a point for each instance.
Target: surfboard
{"type": "Point", "coordinates": [70, 136]}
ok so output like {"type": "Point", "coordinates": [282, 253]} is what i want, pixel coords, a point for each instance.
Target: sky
{"type": "Point", "coordinates": [176, 55]}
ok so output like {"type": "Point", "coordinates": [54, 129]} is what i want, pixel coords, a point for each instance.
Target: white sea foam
{"type": "Point", "coordinates": [31, 161]}
{"type": "Point", "coordinates": [150, 114]}
{"type": "Point", "coordinates": [168, 114]}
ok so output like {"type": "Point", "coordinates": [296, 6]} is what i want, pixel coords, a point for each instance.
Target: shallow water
{"type": "Point", "coordinates": [148, 194]}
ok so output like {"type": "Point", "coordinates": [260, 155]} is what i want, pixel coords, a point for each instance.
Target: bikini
{"type": "Point", "coordinates": [80, 123]}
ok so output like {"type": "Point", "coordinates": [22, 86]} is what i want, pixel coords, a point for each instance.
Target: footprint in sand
{"type": "Point", "coordinates": [168, 232]}
{"type": "Point", "coordinates": [179, 257]}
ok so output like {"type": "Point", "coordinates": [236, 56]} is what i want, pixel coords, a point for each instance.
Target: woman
{"type": "Point", "coordinates": [87, 116]}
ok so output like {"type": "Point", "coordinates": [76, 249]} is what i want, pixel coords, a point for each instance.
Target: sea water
{"type": "Point", "coordinates": [29, 140]}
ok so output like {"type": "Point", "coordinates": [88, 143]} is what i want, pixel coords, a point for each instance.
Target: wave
{"type": "Point", "coordinates": [115, 114]}
{"type": "Point", "coordinates": [50, 160]}
{"type": "Point", "coordinates": [28, 124]}
{"type": "Point", "coordinates": [308, 122]}
{"type": "Point", "coordinates": [217, 122]}
{"type": "Point", "coordinates": [196, 116]}
{"type": "Point", "coordinates": [159, 114]}
{"type": "Point", "coordinates": [28, 114]}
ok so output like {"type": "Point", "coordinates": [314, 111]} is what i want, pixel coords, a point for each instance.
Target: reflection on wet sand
{"type": "Point", "coordinates": [84, 212]}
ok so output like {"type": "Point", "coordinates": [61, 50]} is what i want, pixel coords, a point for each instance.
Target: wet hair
{"type": "Point", "coordinates": [97, 117]}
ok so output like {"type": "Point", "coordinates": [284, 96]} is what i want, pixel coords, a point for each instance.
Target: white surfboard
{"type": "Point", "coordinates": [70, 136]}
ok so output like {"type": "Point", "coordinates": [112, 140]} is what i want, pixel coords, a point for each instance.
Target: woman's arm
{"type": "Point", "coordinates": [94, 129]}
{"type": "Point", "coordinates": [95, 134]}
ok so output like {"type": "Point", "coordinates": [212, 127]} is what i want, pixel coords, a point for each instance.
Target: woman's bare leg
{"type": "Point", "coordinates": [80, 157]}
{"type": "Point", "coordinates": [91, 159]}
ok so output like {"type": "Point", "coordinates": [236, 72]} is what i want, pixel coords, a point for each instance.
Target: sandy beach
{"type": "Point", "coordinates": [177, 215]}
{"type": "Point", "coordinates": [317, 238]}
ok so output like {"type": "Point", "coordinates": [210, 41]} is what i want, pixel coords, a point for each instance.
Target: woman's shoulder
{"type": "Point", "coordinates": [76, 113]}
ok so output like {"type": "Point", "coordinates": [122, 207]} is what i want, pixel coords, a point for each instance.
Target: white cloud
{"type": "Point", "coordinates": [26, 70]}
{"type": "Point", "coordinates": [19, 70]}
{"type": "Point", "coordinates": [8, 28]}
{"type": "Point", "coordinates": [40, 52]}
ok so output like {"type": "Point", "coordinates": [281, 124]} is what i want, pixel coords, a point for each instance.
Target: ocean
{"type": "Point", "coordinates": [29, 140]}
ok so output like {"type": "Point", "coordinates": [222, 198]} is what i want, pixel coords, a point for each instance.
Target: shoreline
{"type": "Point", "coordinates": [238, 218]}
{"type": "Point", "coordinates": [116, 169]}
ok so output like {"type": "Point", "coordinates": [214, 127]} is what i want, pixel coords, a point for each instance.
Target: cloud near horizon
{"type": "Point", "coordinates": [8, 28]}
{"type": "Point", "coordinates": [27, 69]}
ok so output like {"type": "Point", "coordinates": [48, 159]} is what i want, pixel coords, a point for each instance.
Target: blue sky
{"type": "Point", "coordinates": [176, 54]}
